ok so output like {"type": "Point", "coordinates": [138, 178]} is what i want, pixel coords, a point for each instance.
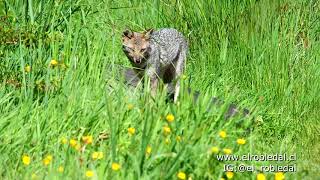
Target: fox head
{"type": "Point", "coordinates": [136, 45]}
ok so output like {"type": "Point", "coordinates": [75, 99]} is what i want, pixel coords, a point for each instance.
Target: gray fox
{"type": "Point", "coordinates": [157, 54]}
{"type": "Point", "coordinates": [162, 55]}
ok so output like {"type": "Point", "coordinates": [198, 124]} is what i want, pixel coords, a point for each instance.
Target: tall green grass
{"type": "Point", "coordinates": [260, 54]}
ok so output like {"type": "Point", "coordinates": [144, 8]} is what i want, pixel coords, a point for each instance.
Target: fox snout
{"type": "Point", "coordinates": [137, 60]}
{"type": "Point", "coordinates": [135, 57]}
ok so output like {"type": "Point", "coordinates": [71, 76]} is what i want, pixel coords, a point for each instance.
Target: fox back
{"type": "Point", "coordinates": [170, 43]}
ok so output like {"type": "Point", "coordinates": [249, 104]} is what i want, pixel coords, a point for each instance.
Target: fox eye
{"type": "Point", "coordinates": [143, 49]}
{"type": "Point", "coordinates": [126, 48]}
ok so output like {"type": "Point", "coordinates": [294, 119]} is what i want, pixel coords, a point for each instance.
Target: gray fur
{"type": "Point", "coordinates": [165, 60]}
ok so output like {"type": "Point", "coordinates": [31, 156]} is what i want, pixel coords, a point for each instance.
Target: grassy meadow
{"type": "Point", "coordinates": [64, 114]}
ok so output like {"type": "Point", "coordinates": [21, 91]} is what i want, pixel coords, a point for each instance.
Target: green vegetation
{"type": "Point", "coordinates": [263, 55]}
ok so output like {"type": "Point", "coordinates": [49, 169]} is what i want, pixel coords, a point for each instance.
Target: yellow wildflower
{"type": "Point", "coordinates": [64, 140]}
{"type": "Point", "coordinates": [166, 130]}
{"type": "Point", "coordinates": [97, 155]}
{"type": "Point", "coordinates": [241, 141]}
{"type": "Point", "coordinates": [148, 150]}
{"type": "Point", "coordinates": [261, 176]}
{"type": "Point", "coordinates": [115, 166]}
{"type": "Point", "coordinates": [131, 131]}
{"type": "Point", "coordinates": [181, 175]}
{"type": "Point", "coordinates": [87, 139]}
{"type": "Point", "coordinates": [227, 151]}
{"type": "Point", "coordinates": [73, 142]}
{"type": "Point", "coordinates": [223, 134]}
{"type": "Point", "coordinates": [215, 150]}
{"type": "Point", "coordinates": [89, 173]}
{"type": "Point", "coordinates": [279, 176]}
{"type": "Point", "coordinates": [170, 118]}
{"type": "Point", "coordinates": [26, 159]}
{"type": "Point", "coordinates": [53, 63]}
{"type": "Point", "coordinates": [46, 161]}
{"type": "Point", "coordinates": [60, 169]}
{"type": "Point", "coordinates": [27, 68]}
{"type": "Point", "coordinates": [130, 106]}
{"type": "Point", "coordinates": [229, 174]}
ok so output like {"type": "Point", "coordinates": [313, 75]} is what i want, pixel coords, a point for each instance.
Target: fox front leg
{"type": "Point", "coordinates": [154, 86]}
{"type": "Point", "coordinates": [152, 73]}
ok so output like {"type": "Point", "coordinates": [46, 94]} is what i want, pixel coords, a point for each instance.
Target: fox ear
{"type": "Point", "coordinates": [148, 33]}
{"type": "Point", "coordinates": [127, 33]}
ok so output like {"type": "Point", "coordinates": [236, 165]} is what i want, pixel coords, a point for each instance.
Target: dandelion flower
{"type": "Point", "coordinates": [166, 130]}
{"type": "Point", "coordinates": [182, 175]}
{"type": "Point", "coordinates": [89, 173]}
{"type": "Point", "coordinates": [87, 139]}
{"type": "Point", "coordinates": [131, 131]}
{"type": "Point", "coordinates": [215, 150]}
{"type": "Point", "coordinates": [223, 134]}
{"type": "Point", "coordinates": [170, 118]}
{"type": "Point", "coordinates": [261, 176]}
{"type": "Point", "coordinates": [64, 140]}
{"type": "Point", "coordinates": [100, 155]}
{"type": "Point", "coordinates": [46, 161]}
{"type": "Point", "coordinates": [53, 63]}
{"type": "Point", "coordinates": [97, 155]}
{"type": "Point", "coordinates": [26, 160]}
{"type": "Point", "coordinates": [241, 141]}
{"type": "Point", "coordinates": [73, 142]}
{"type": "Point", "coordinates": [27, 68]}
{"type": "Point", "coordinates": [229, 174]}
{"type": "Point", "coordinates": [148, 150]}
{"type": "Point", "coordinates": [130, 106]}
{"type": "Point", "coordinates": [279, 176]}
{"type": "Point", "coordinates": [60, 169]}
{"type": "Point", "coordinates": [115, 166]}
{"type": "Point", "coordinates": [227, 151]}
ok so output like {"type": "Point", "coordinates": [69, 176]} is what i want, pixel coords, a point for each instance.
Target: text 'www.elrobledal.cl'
{"type": "Point", "coordinates": [282, 162]}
